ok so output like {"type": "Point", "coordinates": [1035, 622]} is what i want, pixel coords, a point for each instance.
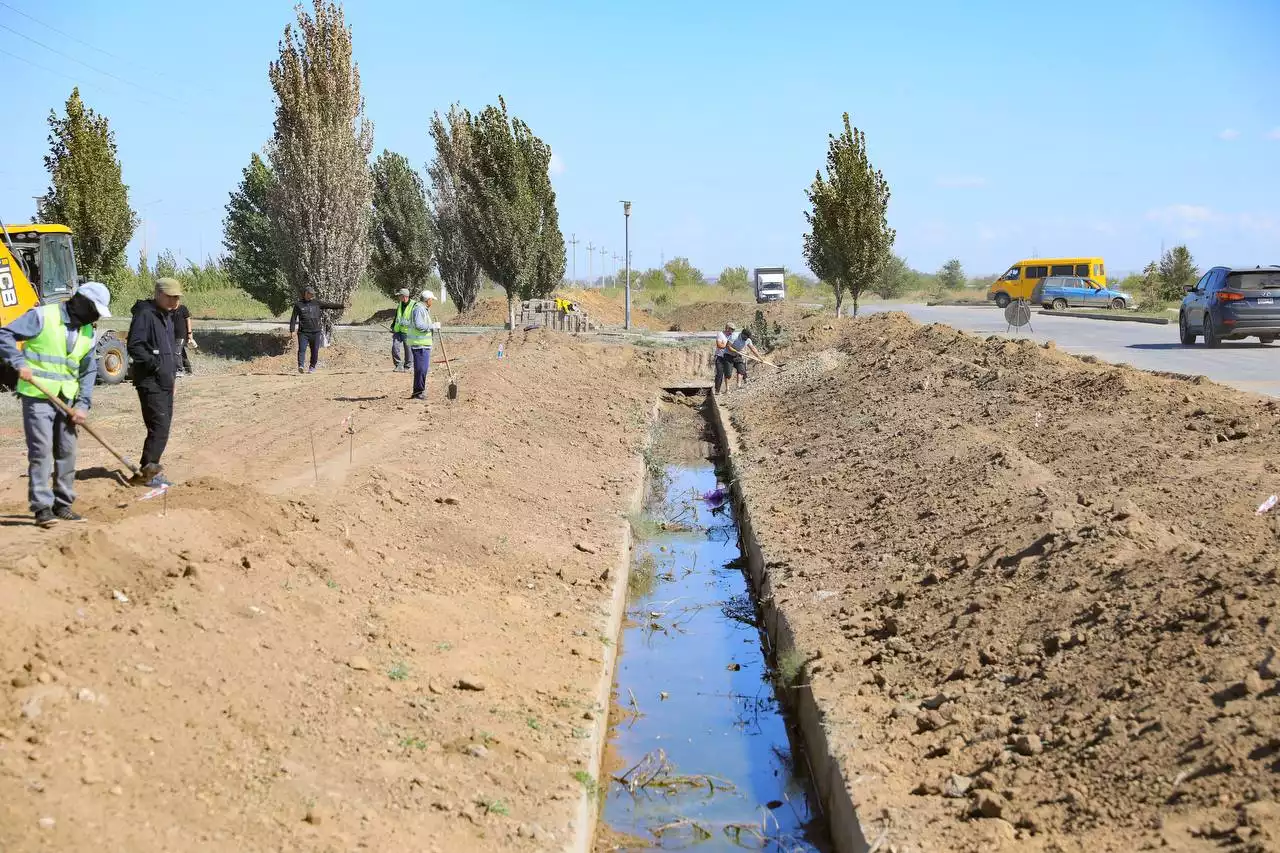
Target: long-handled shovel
{"type": "Point", "coordinates": [753, 358]}
{"type": "Point", "coordinates": [66, 410]}
{"type": "Point", "coordinates": [453, 382]}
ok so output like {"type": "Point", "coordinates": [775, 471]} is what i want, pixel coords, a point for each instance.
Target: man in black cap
{"type": "Point", "coordinates": [306, 321]}
{"type": "Point", "coordinates": [154, 353]}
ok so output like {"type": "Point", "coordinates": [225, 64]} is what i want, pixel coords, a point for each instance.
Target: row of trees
{"type": "Point", "coordinates": [311, 211]}
{"type": "Point", "coordinates": [314, 213]}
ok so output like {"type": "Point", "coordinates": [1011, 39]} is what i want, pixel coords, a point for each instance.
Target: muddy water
{"type": "Point", "coordinates": [703, 754]}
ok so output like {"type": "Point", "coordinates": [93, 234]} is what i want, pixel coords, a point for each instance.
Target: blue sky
{"type": "Point", "coordinates": [1005, 129]}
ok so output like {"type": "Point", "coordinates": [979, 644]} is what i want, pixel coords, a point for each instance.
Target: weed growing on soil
{"type": "Point", "coordinates": [399, 672]}
{"type": "Point", "coordinates": [587, 781]}
{"type": "Point", "coordinates": [497, 807]}
{"type": "Point", "coordinates": [413, 743]}
{"type": "Point", "coordinates": [444, 647]}
{"type": "Point", "coordinates": [533, 723]}
{"type": "Point", "coordinates": [331, 583]}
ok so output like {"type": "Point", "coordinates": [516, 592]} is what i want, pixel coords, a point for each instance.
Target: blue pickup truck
{"type": "Point", "coordinates": [1060, 292]}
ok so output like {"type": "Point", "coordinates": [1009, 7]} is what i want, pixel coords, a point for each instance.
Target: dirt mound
{"type": "Point", "coordinates": [486, 311]}
{"type": "Point", "coordinates": [611, 312]}
{"type": "Point", "coordinates": [711, 316]}
{"type": "Point", "coordinates": [1031, 588]}
{"type": "Point", "coordinates": [383, 317]}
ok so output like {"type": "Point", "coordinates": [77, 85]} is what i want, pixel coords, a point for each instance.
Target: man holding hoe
{"type": "Point", "coordinates": [59, 357]}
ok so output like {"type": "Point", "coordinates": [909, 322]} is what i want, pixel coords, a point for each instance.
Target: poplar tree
{"type": "Point", "coordinates": [508, 206]}
{"type": "Point", "coordinates": [849, 240]}
{"type": "Point", "coordinates": [251, 262]}
{"type": "Point", "coordinates": [86, 190]}
{"type": "Point", "coordinates": [401, 232]}
{"type": "Point", "coordinates": [321, 203]}
{"type": "Point", "coordinates": [458, 267]}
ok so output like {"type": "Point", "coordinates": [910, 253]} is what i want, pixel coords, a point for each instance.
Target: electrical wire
{"type": "Point", "coordinates": [90, 67]}
{"type": "Point", "coordinates": [62, 33]}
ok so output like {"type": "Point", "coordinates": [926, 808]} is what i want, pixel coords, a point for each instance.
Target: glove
{"type": "Point", "coordinates": [191, 342]}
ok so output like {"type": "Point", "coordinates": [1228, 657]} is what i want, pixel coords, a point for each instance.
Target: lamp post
{"type": "Point", "coordinates": [626, 253]}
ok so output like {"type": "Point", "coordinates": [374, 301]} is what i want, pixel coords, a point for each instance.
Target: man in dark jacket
{"type": "Point", "coordinates": [306, 321]}
{"type": "Point", "coordinates": [154, 354]}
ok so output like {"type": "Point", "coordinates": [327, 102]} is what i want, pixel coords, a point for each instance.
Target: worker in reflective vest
{"type": "Point", "coordinates": [59, 355]}
{"type": "Point", "coordinates": [418, 338]}
{"type": "Point", "coordinates": [400, 355]}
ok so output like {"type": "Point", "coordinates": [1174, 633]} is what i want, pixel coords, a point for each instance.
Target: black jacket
{"type": "Point", "coordinates": [151, 345]}
{"type": "Point", "coordinates": [306, 315]}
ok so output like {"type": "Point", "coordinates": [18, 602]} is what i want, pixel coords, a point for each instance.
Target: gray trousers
{"type": "Point", "coordinates": [51, 451]}
{"type": "Point", "coordinates": [400, 351]}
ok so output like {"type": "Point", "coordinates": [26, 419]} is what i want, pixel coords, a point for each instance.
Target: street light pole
{"type": "Point", "coordinates": [573, 241]}
{"type": "Point", "coordinates": [626, 220]}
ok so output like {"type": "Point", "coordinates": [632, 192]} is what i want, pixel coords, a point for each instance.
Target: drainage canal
{"type": "Point", "coordinates": [700, 754]}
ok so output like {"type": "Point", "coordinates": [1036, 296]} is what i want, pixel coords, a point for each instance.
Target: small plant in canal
{"type": "Point", "coordinates": [790, 665]}
{"type": "Point", "coordinates": [587, 781]}
{"type": "Point", "coordinates": [644, 573]}
{"type": "Point", "coordinates": [399, 672]}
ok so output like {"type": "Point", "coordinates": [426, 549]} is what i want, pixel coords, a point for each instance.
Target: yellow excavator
{"type": "Point", "coordinates": [38, 267]}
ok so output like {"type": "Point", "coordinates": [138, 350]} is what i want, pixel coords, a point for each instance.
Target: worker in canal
{"type": "Point", "coordinates": [59, 355]}
{"type": "Point", "coordinates": [309, 325]}
{"type": "Point", "coordinates": [418, 337]}
{"type": "Point", "coordinates": [401, 357]}
{"type": "Point", "coordinates": [740, 344]}
{"type": "Point", "coordinates": [723, 367]}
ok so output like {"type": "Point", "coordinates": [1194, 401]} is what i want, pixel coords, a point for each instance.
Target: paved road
{"type": "Point", "coordinates": [1246, 365]}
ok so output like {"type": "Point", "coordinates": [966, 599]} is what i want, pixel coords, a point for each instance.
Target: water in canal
{"type": "Point", "coordinates": [701, 757]}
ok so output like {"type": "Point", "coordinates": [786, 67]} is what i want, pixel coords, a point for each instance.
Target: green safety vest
{"type": "Point", "coordinates": [403, 314]}
{"type": "Point", "coordinates": [49, 360]}
{"type": "Point", "coordinates": [415, 337]}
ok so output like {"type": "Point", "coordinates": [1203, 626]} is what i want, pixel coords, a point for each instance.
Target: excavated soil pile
{"type": "Point", "coordinates": [485, 312]}
{"type": "Point", "coordinates": [1036, 604]}
{"type": "Point", "coordinates": [711, 316]}
{"type": "Point", "coordinates": [356, 622]}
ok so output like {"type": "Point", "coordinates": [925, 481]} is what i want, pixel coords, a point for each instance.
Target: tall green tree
{"type": "Point", "coordinates": [734, 279]}
{"type": "Point", "coordinates": [508, 205]}
{"type": "Point", "coordinates": [650, 279]}
{"type": "Point", "coordinates": [459, 269]}
{"type": "Point", "coordinates": [86, 189]}
{"type": "Point", "coordinates": [951, 275]}
{"type": "Point", "coordinates": [894, 278]}
{"type": "Point", "coordinates": [251, 262]}
{"type": "Point", "coordinates": [1177, 270]}
{"type": "Point", "coordinates": [849, 239]}
{"type": "Point", "coordinates": [682, 273]}
{"type": "Point", "coordinates": [401, 230]}
{"type": "Point", "coordinates": [321, 203]}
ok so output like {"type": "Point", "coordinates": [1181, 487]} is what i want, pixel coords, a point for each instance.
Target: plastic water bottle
{"type": "Point", "coordinates": [500, 346]}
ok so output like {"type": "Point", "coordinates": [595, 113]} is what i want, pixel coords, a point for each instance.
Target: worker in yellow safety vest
{"type": "Point", "coordinates": [401, 358]}
{"type": "Point", "coordinates": [59, 355]}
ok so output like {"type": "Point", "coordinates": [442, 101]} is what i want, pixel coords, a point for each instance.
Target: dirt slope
{"type": "Point", "coordinates": [1035, 599]}
{"type": "Point", "coordinates": [400, 658]}
{"type": "Point", "coordinates": [601, 309]}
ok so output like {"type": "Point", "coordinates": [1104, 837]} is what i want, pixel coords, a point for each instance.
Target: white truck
{"type": "Point", "coordinates": [770, 284]}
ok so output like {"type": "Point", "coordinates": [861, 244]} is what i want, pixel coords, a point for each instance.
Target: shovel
{"type": "Point", "coordinates": [66, 410]}
{"type": "Point", "coordinates": [753, 358]}
{"type": "Point", "coordinates": [453, 383]}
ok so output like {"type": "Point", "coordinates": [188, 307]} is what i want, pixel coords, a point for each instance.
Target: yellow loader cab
{"type": "Point", "coordinates": [1023, 276]}
{"type": "Point", "coordinates": [38, 267]}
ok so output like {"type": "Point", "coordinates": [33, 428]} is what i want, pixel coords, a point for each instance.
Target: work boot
{"type": "Point", "coordinates": [45, 518]}
{"type": "Point", "coordinates": [66, 513]}
{"type": "Point", "coordinates": [311, 370]}
{"type": "Point", "coordinates": [302, 370]}
{"type": "Point", "coordinates": [146, 474]}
